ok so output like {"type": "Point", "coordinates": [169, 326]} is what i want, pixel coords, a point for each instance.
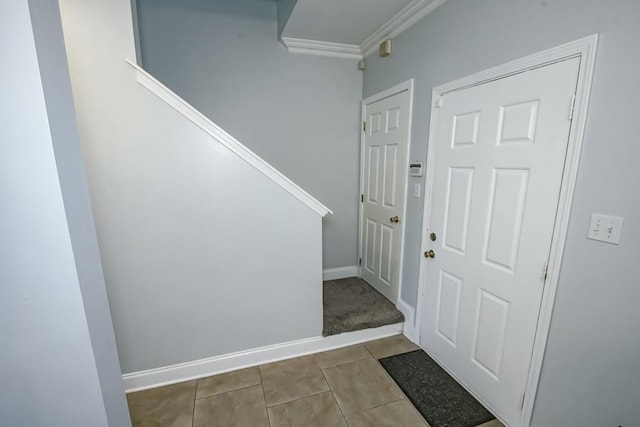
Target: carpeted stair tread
{"type": "Point", "coordinates": [352, 304]}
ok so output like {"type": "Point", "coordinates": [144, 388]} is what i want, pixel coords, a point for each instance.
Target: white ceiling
{"type": "Point", "coordinates": [340, 21]}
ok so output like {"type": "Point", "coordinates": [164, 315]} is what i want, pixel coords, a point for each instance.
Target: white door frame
{"type": "Point", "coordinates": [584, 48]}
{"type": "Point", "coordinates": [404, 86]}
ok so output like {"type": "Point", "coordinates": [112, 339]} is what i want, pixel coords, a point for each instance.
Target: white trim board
{"type": "Point", "coordinates": [152, 378]}
{"type": "Point", "coordinates": [409, 329]}
{"type": "Point", "coordinates": [404, 19]}
{"type": "Point", "coordinates": [315, 47]}
{"type": "Point", "coordinates": [400, 22]}
{"type": "Point", "coordinates": [340, 272]}
{"type": "Point", "coordinates": [401, 87]}
{"type": "Point", "coordinates": [585, 49]}
{"type": "Point", "coordinates": [197, 118]}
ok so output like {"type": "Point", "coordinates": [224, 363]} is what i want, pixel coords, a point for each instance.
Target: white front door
{"type": "Point", "coordinates": [384, 186]}
{"type": "Point", "coordinates": [498, 164]}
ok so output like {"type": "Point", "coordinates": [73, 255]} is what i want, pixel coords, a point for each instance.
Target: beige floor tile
{"type": "Point", "coordinates": [240, 408]}
{"type": "Point", "coordinates": [342, 355]}
{"type": "Point", "coordinates": [396, 414]}
{"type": "Point", "coordinates": [316, 411]}
{"type": "Point", "coordinates": [494, 423]}
{"type": "Point", "coordinates": [361, 385]}
{"type": "Point", "coordinates": [169, 406]}
{"type": "Point", "coordinates": [291, 380]}
{"type": "Point", "coordinates": [390, 346]}
{"type": "Point", "coordinates": [229, 381]}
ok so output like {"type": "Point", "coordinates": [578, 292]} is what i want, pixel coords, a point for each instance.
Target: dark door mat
{"type": "Point", "coordinates": [439, 398]}
{"type": "Point", "coordinates": [352, 304]}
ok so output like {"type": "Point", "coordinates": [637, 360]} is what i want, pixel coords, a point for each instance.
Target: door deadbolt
{"type": "Point", "coordinates": [429, 254]}
{"type": "Point", "coordinates": [433, 237]}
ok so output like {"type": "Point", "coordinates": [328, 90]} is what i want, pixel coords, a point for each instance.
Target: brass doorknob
{"type": "Point", "coordinates": [394, 219]}
{"type": "Point", "coordinates": [429, 254]}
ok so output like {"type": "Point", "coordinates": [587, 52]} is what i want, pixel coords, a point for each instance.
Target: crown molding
{"type": "Point", "coordinates": [400, 22]}
{"type": "Point", "coordinates": [316, 47]}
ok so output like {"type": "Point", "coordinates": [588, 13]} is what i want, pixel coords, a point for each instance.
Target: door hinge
{"type": "Point", "coordinates": [572, 108]}
{"type": "Point", "coordinates": [364, 126]}
{"type": "Point", "coordinates": [522, 402]}
{"type": "Point", "coordinates": [439, 102]}
{"type": "Point", "coordinates": [360, 261]}
{"type": "Point", "coordinates": [362, 198]}
{"type": "Point", "coordinates": [544, 273]}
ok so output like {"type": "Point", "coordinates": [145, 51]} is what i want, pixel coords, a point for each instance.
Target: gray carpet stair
{"type": "Point", "coordinates": [352, 304]}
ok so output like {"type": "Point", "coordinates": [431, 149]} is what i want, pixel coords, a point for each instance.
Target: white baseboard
{"type": "Point", "coordinates": [340, 272]}
{"type": "Point", "coordinates": [410, 329]}
{"type": "Point", "coordinates": [143, 380]}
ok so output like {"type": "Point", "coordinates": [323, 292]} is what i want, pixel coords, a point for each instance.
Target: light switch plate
{"type": "Point", "coordinates": [417, 190]}
{"type": "Point", "coordinates": [605, 228]}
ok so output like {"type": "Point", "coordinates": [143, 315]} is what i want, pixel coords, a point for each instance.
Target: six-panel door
{"type": "Point", "coordinates": [499, 162]}
{"type": "Point", "coordinates": [385, 169]}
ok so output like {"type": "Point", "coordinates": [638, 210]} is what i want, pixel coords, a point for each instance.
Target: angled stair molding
{"type": "Point", "coordinates": [400, 22]}
{"type": "Point", "coordinates": [315, 47]}
{"type": "Point", "coordinates": [197, 118]}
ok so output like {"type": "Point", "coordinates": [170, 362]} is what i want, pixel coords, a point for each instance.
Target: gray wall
{"type": "Point", "coordinates": [591, 371]}
{"type": "Point", "coordinates": [203, 255]}
{"type": "Point", "coordinates": [285, 7]}
{"type": "Point", "coordinates": [300, 113]}
{"type": "Point", "coordinates": [58, 364]}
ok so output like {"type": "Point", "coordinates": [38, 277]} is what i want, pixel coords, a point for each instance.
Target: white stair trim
{"type": "Point", "coordinates": [410, 329]}
{"type": "Point", "coordinates": [316, 47]}
{"type": "Point", "coordinates": [152, 378]}
{"type": "Point", "coordinates": [340, 272]}
{"type": "Point", "coordinates": [197, 118]}
{"type": "Point", "coordinates": [400, 22]}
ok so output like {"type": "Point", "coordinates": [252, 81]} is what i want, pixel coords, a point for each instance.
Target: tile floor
{"type": "Point", "coordinates": [346, 387]}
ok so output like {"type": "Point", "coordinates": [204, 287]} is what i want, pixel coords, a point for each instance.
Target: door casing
{"type": "Point", "coordinates": [585, 49]}
{"type": "Point", "coordinates": [404, 86]}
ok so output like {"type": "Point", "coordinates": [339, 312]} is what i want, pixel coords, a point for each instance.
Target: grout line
{"type": "Point", "coordinates": [298, 398]}
{"type": "Point", "coordinates": [403, 393]}
{"type": "Point", "coordinates": [193, 412]}
{"type": "Point", "coordinates": [333, 394]}
{"type": "Point", "coordinates": [228, 391]}
{"type": "Point", "coordinates": [264, 396]}
{"type": "Point", "coordinates": [387, 403]}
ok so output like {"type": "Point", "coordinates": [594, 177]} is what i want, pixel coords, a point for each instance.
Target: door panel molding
{"type": "Point", "coordinates": [585, 49]}
{"type": "Point", "coordinates": [398, 198]}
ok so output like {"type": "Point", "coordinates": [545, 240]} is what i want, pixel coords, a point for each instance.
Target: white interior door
{"type": "Point", "coordinates": [384, 186]}
{"type": "Point", "coordinates": [498, 164]}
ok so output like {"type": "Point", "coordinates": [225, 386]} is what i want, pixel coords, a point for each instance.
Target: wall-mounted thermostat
{"type": "Point", "coordinates": [415, 168]}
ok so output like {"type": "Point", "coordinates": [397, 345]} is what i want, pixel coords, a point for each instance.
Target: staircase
{"type": "Point", "coordinates": [207, 250]}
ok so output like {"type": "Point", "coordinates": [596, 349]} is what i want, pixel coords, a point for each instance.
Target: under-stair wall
{"type": "Point", "coordinates": [301, 113]}
{"type": "Point", "coordinates": [206, 249]}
